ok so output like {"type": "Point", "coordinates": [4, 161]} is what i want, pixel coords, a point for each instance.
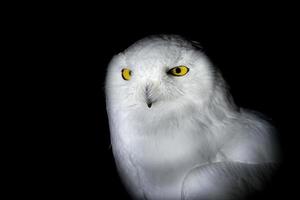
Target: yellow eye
{"type": "Point", "coordinates": [179, 71]}
{"type": "Point", "coordinates": [126, 74]}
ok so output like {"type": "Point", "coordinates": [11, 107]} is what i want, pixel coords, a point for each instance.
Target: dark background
{"type": "Point", "coordinates": [71, 51]}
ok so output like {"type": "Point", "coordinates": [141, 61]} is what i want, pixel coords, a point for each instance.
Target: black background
{"type": "Point", "coordinates": [71, 48]}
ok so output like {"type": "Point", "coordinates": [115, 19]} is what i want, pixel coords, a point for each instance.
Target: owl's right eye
{"type": "Point", "coordinates": [126, 74]}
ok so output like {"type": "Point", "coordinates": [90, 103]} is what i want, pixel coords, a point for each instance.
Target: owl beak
{"type": "Point", "coordinates": [149, 104]}
{"type": "Point", "coordinates": [148, 98]}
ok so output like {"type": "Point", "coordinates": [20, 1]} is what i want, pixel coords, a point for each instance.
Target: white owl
{"type": "Point", "coordinates": [175, 131]}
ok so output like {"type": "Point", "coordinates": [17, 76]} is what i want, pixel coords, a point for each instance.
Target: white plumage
{"type": "Point", "coordinates": [182, 137]}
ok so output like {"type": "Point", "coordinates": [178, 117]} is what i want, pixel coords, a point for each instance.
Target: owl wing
{"type": "Point", "coordinates": [226, 180]}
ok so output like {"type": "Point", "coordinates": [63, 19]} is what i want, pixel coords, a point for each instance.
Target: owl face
{"type": "Point", "coordinates": [159, 75]}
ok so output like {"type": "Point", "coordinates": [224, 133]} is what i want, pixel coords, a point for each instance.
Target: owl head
{"type": "Point", "coordinates": [161, 77]}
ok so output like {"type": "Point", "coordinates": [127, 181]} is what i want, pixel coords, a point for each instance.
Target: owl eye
{"type": "Point", "coordinates": [179, 71]}
{"type": "Point", "coordinates": [126, 74]}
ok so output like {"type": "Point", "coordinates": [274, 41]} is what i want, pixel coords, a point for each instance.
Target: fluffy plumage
{"type": "Point", "coordinates": [193, 136]}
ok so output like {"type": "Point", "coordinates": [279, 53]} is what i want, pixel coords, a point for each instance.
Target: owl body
{"type": "Point", "coordinates": [190, 125]}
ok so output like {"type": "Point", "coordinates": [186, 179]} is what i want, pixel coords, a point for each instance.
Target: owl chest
{"type": "Point", "coordinates": [161, 159]}
{"type": "Point", "coordinates": [159, 147]}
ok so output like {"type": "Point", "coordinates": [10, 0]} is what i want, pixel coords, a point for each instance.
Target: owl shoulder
{"type": "Point", "coordinates": [254, 139]}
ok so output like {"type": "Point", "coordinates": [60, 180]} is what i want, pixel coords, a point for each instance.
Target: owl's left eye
{"type": "Point", "coordinates": [179, 71]}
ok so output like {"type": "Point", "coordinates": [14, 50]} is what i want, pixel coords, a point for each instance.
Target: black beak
{"type": "Point", "coordinates": [149, 104]}
{"type": "Point", "coordinates": [148, 99]}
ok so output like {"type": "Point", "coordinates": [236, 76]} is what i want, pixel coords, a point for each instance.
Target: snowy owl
{"type": "Point", "coordinates": [175, 130]}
